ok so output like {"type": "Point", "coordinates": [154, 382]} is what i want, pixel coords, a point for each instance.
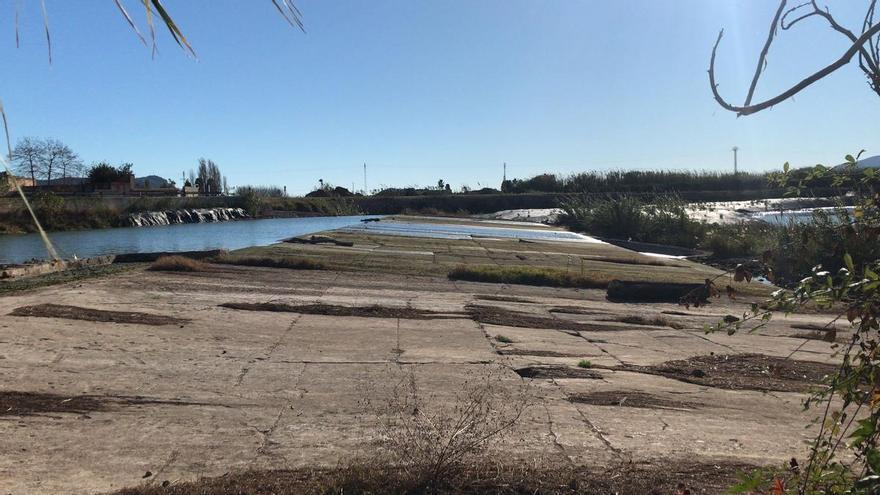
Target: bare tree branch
{"type": "Point", "coordinates": [797, 88]}
{"type": "Point", "coordinates": [864, 45]}
{"type": "Point", "coordinates": [763, 57]}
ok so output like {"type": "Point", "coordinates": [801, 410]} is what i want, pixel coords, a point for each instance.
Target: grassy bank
{"type": "Point", "coordinates": [59, 213]}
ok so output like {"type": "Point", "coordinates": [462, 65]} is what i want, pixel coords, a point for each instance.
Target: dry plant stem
{"type": "Point", "coordinates": [49, 247]}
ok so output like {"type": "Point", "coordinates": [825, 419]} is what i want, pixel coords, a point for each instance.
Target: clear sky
{"type": "Point", "coordinates": [422, 91]}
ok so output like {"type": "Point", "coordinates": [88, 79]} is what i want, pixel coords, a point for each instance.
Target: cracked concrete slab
{"type": "Point", "coordinates": [249, 389]}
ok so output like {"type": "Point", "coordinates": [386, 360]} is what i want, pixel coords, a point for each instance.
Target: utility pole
{"type": "Point", "coordinates": [735, 149]}
{"type": "Point", "coordinates": [365, 178]}
{"type": "Point", "coordinates": [504, 179]}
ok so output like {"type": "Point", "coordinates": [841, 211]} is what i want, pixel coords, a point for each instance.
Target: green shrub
{"type": "Point", "coordinates": [664, 220]}
{"type": "Point", "coordinates": [585, 363]}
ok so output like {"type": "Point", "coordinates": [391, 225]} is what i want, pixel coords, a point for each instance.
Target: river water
{"type": "Point", "coordinates": [180, 237]}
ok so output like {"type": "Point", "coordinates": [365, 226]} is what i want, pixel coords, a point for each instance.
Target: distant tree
{"type": "Point", "coordinates": [440, 185]}
{"type": "Point", "coordinates": [27, 157]}
{"type": "Point", "coordinates": [448, 188]}
{"type": "Point", "coordinates": [68, 162]}
{"type": "Point", "coordinates": [209, 177]}
{"type": "Point", "coordinates": [103, 173]}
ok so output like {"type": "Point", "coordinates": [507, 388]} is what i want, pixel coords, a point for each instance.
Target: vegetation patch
{"type": "Point", "coordinates": [468, 479]}
{"type": "Point", "coordinates": [498, 316]}
{"type": "Point", "coordinates": [375, 311]}
{"type": "Point", "coordinates": [89, 314]}
{"type": "Point", "coordinates": [269, 262]}
{"type": "Point", "coordinates": [178, 264]}
{"type": "Point", "coordinates": [65, 276]}
{"type": "Point", "coordinates": [524, 275]}
{"type": "Point", "coordinates": [630, 398]}
{"type": "Point", "coordinates": [550, 372]}
{"type": "Point", "coordinates": [742, 372]}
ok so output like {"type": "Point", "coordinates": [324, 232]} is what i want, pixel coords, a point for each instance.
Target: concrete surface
{"type": "Point", "coordinates": [238, 389]}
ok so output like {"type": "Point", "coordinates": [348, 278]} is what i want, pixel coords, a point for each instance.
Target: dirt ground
{"type": "Point", "coordinates": [94, 404]}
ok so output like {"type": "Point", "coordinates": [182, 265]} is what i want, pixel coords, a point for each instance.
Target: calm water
{"type": "Point", "coordinates": [462, 231]}
{"type": "Point", "coordinates": [181, 237]}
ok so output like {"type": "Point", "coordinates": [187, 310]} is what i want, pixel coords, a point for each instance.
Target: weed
{"type": "Point", "coordinates": [504, 340]}
{"type": "Point", "coordinates": [585, 363]}
{"type": "Point", "coordinates": [432, 440]}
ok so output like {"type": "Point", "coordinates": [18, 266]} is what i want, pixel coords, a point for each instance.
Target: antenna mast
{"type": "Point", "coordinates": [735, 149]}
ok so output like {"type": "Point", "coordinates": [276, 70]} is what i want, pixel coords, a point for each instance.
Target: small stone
{"type": "Point", "coordinates": [148, 474]}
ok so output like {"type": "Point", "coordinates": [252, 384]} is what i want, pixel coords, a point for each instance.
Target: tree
{"type": "Point", "coordinates": [68, 162]}
{"type": "Point", "coordinates": [27, 157]}
{"type": "Point", "coordinates": [103, 173]}
{"type": "Point", "coordinates": [209, 179]}
{"type": "Point", "coordinates": [54, 153]}
{"type": "Point", "coordinates": [866, 45]}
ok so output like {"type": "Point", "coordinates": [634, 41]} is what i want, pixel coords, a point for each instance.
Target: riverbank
{"type": "Point", "coordinates": [79, 213]}
{"type": "Point", "coordinates": [240, 368]}
{"type": "Point", "coordinates": [59, 214]}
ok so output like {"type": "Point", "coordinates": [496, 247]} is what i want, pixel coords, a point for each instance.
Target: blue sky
{"type": "Point", "coordinates": [422, 91]}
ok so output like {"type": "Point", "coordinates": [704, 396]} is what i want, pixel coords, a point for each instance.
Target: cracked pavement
{"type": "Point", "coordinates": [250, 389]}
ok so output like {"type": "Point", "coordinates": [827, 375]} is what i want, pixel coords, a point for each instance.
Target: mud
{"type": "Point", "coordinates": [550, 372]}
{"type": "Point", "coordinates": [657, 321]}
{"type": "Point", "coordinates": [742, 372]}
{"type": "Point", "coordinates": [498, 316]}
{"type": "Point", "coordinates": [526, 352]}
{"type": "Point", "coordinates": [16, 403]}
{"type": "Point", "coordinates": [629, 398]}
{"type": "Point", "coordinates": [513, 299]}
{"type": "Point", "coordinates": [89, 314]}
{"type": "Point", "coordinates": [576, 310]}
{"type": "Point", "coordinates": [334, 310]}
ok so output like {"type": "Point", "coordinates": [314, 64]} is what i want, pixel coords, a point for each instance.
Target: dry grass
{"type": "Point", "coordinates": [270, 262]}
{"type": "Point", "coordinates": [539, 478]}
{"type": "Point", "coordinates": [549, 277]}
{"type": "Point", "coordinates": [178, 264]}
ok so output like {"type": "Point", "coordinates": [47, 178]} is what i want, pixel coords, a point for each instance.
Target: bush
{"type": "Point", "coordinates": [177, 264]}
{"type": "Point", "coordinates": [663, 221]}
{"type": "Point", "coordinates": [550, 277]}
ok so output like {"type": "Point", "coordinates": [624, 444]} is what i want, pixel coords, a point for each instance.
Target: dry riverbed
{"type": "Point", "coordinates": [140, 377]}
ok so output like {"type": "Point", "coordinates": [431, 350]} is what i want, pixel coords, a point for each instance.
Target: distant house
{"type": "Point", "coordinates": [6, 185]}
